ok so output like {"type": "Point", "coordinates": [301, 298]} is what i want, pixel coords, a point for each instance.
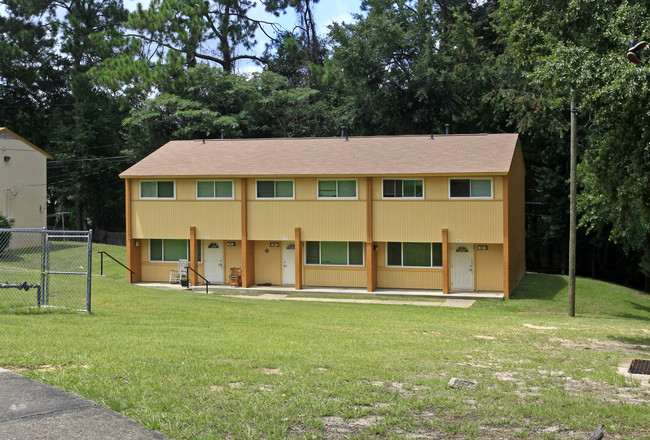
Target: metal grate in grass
{"type": "Point", "coordinates": [640, 366]}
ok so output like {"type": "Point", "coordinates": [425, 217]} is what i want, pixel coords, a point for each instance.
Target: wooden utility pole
{"type": "Point", "coordinates": [572, 210]}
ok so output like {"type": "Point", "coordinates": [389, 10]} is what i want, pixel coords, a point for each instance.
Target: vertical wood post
{"type": "Point", "coordinates": [194, 257]}
{"type": "Point", "coordinates": [506, 239]}
{"type": "Point", "coordinates": [371, 254]}
{"type": "Point", "coordinates": [247, 246]}
{"type": "Point", "coordinates": [572, 211]}
{"type": "Point", "coordinates": [445, 261]}
{"type": "Point", "coordinates": [298, 246]}
{"type": "Point", "coordinates": [247, 271]}
{"type": "Point", "coordinates": [133, 251]}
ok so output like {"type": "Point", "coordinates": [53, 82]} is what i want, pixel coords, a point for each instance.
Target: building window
{"type": "Point", "coordinates": [214, 189]}
{"type": "Point", "coordinates": [334, 253]}
{"type": "Point", "coordinates": [171, 250]}
{"type": "Point", "coordinates": [403, 189]}
{"type": "Point", "coordinates": [274, 189]}
{"type": "Point", "coordinates": [414, 254]}
{"type": "Point", "coordinates": [470, 188]}
{"type": "Point", "coordinates": [157, 189]}
{"type": "Point", "coordinates": [337, 189]}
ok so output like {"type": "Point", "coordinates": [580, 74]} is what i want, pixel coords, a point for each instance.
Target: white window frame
{"type": "Point", "coordinates": [157, 198]}
{"type": "Point", "coordinates": [356, 189]}
{"type": "Point", "coordinates": [232, 187]}
{"type": "Point", "coordinates": [174, 261]}
{"type": "Point", "coordinates": [402, 198]}
{"type": "Point", "coordinates": [470, 188]}
{"type": "Point", "coordinates": [347, 249]}
{"type": "Point", "coordinates": [401, 249]}
{"type": "Point", "coordinates": [293, 183]}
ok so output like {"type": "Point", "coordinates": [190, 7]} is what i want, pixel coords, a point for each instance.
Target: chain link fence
{"type": "Point", "coordinates": [45, 269]}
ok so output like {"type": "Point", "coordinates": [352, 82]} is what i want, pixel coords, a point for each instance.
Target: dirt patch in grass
{"type": "Point", "coordinates": [340, 428]}
{"type": "Point", "coordinates": [615, 346]}
{"type": "Point", "coordinates": [44, 368]}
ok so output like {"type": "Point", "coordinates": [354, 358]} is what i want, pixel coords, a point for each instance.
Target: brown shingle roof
{"type": "Point", "coordinates": [378, 155]}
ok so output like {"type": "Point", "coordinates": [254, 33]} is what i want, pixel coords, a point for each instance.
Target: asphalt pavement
{"type": "Point", "coordinates": [33, 410]}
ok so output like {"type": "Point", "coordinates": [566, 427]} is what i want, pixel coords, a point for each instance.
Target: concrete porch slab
{"type": "Point", "coordinates": [325, 291]}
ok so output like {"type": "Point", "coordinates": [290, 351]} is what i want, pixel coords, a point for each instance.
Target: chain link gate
{"type": "Point", "coordinates": [45, 269]}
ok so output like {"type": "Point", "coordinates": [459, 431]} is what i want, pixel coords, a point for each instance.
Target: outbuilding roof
{"type": "Point", "coordinates": [358, 156]}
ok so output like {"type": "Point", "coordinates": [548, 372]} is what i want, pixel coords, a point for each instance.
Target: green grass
{"type": "Point", "coordinates": [212, 366]}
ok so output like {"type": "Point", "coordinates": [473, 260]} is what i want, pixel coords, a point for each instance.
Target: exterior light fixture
{"type": "Point", "coordinates": [7, 158]}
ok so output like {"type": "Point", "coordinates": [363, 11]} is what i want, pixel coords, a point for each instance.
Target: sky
{"type": "Point", "coordinates": [326, 12]}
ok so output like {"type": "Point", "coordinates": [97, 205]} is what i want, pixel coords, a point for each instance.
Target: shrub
{"type": "Point", "coordinates": [5, 236]}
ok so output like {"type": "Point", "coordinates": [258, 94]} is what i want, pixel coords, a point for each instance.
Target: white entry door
{"type": "Point", "coordinates": [288, 263]}
{"type": "Point", "coordinates": [462, 267]}
{"type": "Point", "coordinates": [213, 261]}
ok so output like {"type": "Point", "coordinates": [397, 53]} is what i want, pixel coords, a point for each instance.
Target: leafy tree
{"type": "Point", "coordinates": [209, 31]}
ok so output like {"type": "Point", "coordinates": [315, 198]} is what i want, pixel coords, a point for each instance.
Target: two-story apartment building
{"type": "Point", "coordinates": [415, 212]}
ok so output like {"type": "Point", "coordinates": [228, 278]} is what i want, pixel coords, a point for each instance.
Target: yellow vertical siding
{"type": "Point", "coordinates": [216, 219]}
{"type": "Point", "coordinates": [331, 276]}
{"type": "Point", "coordinates": [268, 266]}
{"type": "Point", "coordinates": [517, 219]}
{"type": "Point", "coordinates": [305, 188]}
{"type": "Point", "coordinates": [232, 258]}
{"type": "Point", "coordinates": [323, 220]}
{"type": "Point", "coordinates": [428, 279]}
{"type": "Point", "coordinates": [488, 267]}
{"type": "Point", "coordinates": [468, 221]}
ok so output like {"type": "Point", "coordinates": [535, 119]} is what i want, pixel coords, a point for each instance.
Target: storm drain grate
{"type": "Point", "coordinates": [640, 366]}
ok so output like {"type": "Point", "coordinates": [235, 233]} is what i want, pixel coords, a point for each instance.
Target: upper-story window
{"type": "Point", "coordinates": [403, 189]}
{"type": "Point", "coordinates": [157, 189]}
{"type": "Point", "coordinates": [274, 189]}
{"type": "Point", "coordinates": [214, 189]}
{"type": "Point", "coordinates": [470, 188]}
{"type": "Point", "coordinates": [337, 189]}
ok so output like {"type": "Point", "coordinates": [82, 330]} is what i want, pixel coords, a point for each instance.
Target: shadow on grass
{"type": "Point", "coordinates": [540, 286]}
{"type": "Point", "coordinates": [643, 341]}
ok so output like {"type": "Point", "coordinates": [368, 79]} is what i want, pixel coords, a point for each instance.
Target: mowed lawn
{"type": "Point", "coordinates": [197, 366]}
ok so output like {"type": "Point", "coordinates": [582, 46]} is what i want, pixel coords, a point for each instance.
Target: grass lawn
{"type": "Point", "coordinates": [197, 366]}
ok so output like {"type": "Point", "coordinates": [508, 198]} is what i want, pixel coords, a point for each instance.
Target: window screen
{"type": "Point", "coordinates": [394, 254]}
{"type": "Point", "coordinates": [334, 252]}
{"type": "Point", "coordinates": [327, 188]}
{"type": "Point", "coordinates": [481, 188]}
{"type": "Point", "coordinates": [417, 254]}
{"type": "Point", "coordinates": [356, 253]}
{"type": "Point", "coordinates": [265, 189]}
{"type": "Point", "coordinates": [313, 252]}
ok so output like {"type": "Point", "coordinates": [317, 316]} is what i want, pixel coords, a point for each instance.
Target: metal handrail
{"type": "Point", "coordinates": [101, 253]}
{"type": "Point", "coordinates": [187, 273]}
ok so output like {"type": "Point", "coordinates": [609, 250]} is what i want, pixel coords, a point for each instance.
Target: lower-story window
{"type": "Point", "coordinates": [334, 253]}
{"type": "Point", "coordinates": [414, 254]}
{"type": "Point", "coordinates": [171, 250]}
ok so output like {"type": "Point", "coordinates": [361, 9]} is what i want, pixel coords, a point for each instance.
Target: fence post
{"type": "Point", "coordinates": [101, 263]}
{"type": "Point", "coordinates": [43, 266]}
{"type": "Point", "coordinates": [90, 269]}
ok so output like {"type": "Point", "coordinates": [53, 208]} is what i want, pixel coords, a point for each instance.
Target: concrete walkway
{"type": "Point", "coordinates": [33, 410]}
{"type": "Point", "coordinates": [460, 303]}
{"type": "Point", "coordinates": [408, 294]}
